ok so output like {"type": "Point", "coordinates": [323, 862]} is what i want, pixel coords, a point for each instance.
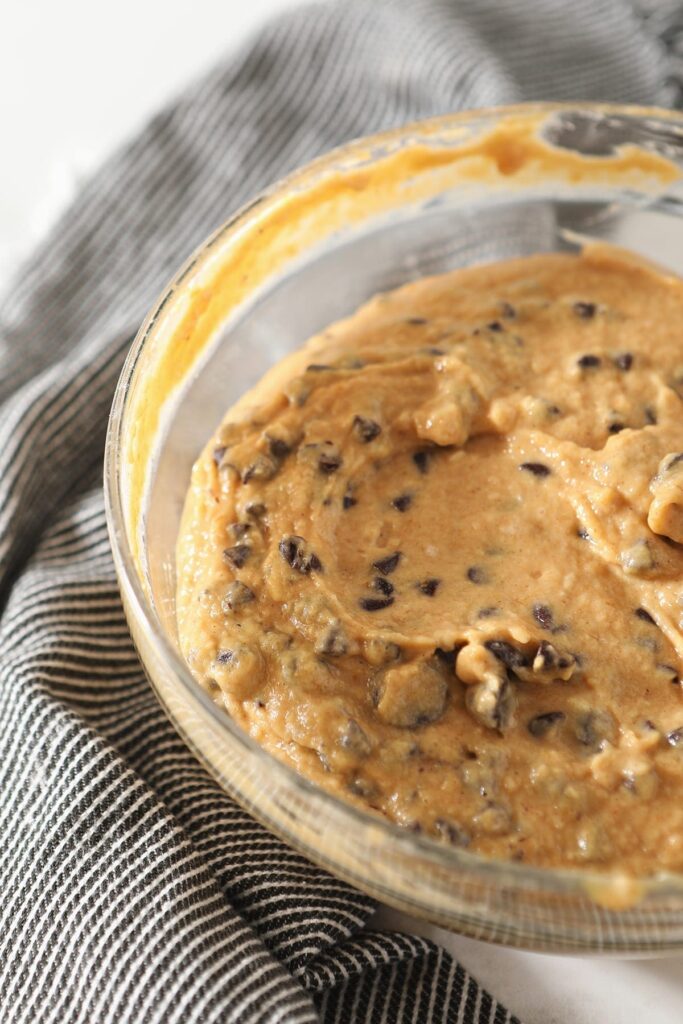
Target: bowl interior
{"type": "Point", "coordinates": [454, 227]}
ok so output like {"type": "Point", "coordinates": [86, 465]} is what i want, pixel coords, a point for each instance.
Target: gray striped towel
{"type": "Point", "coordinates": [131, 888]}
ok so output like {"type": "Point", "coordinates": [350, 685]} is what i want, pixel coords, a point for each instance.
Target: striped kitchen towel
{"type": "Point", "coordinates": [131, 888]}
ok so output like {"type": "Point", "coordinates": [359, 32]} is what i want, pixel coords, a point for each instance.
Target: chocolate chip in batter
{"type": "Point", "coordinates": [615, 427]}
{"type": "Point", "coordinates": [236, 596]}
{"type": "Point", "coordinates": [318, 367]}
{"type": "Point", "coordinates": [354, 739]}
{"type": "Point", "coordinates": [650, 416]}
{"type": "Point", "coordinates": [429, 586]}
{"type": "Point", "coordinates": [218, 453]}
{"type": "Point", "coordinates": [256, 510]}
{"type": "Point", "coordinates": [329, 460]}
{"type": "Point", "coordinates": [421, 459]}
{"type": "Point", "coordinates": [387, 565]}
{"type": "Point", "coordinates": [449, 658]}
{"type": "Point", "coordinates": [675, 737]}
{"type": "Point", "coordinates": [542, 724]}
{"type": "Point", "coordinates": [593, 727]}
{"type": "Point", "coordinates": [585, 310]}
{"type": "Point", "coordinates": [297, 553]}
{"type": "Point", "coordinates": [332, 642]}
{"type": "Point", "coordinates": [366, 430]}
{"type": "Point", "coordinates": [375, 604]}
{"type": "Point", "coordinates": [402, 502]}
{"type": "Point", "coordinates": [454, 834]}
{"type": "Point", "coordinates": [543, 616]}
{"type": "Point", "coordinates": [643, 613]}
{"type": "Point", "coordinates": [416, 321]}
{"type": "Point", "coordinates": [624, 361]}
{"type": "Point", "coordinates": [224, 657]}
{"type": "Point", "coordinates": [510, 656]}
{"type": "Point", "coordinates": [383, 585]}
{"type": "Point", "coordinates": [669, 672]}
{"type": "Point", "coordinates": [495, 325]}
{"type": "Point", "coordinates": [538, 469]}
{"type": "Point", "coordinates": [583, 534]}
{"type": "Point", "coordinates": [239, 530]}
{"type": "Point", "coordinates": [237, 555]}
{"type": "Point", "coordinates": [492, 702]}
{"type": "Point", "coordinates": [278, 448]}
{"type": "Point", "coordinates": [348, 500]}
{"type": "Point", "coordinates": [475, 574]}
{"type": "Point", "coordinates": [262, 468]}
{"type": "Point", "coordinates": [508, 310]}
{"type": "Point", "coordinates": [588, 362]}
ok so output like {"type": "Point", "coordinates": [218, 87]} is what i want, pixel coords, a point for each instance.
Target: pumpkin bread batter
{"type": "Point", "coordinates": [434, 560]}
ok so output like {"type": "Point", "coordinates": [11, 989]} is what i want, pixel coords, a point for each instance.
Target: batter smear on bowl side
{"type": "Point", "coordinates": [434, 560]}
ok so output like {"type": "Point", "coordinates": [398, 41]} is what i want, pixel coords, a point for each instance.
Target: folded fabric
{"type": "Point", "coordinates": [131, 888]}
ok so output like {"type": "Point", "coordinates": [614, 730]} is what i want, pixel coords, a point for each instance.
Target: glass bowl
{"type": "Point", "coordinates": [365, 218]}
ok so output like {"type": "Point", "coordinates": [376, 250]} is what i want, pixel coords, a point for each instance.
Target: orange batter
{"type": "Point", "coordinates": [434, 560]}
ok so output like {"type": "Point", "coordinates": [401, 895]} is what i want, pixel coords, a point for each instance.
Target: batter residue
{"type": "Point", "coordinates": [434, 560]}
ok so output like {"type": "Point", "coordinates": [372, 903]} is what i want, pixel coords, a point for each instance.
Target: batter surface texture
{"type": "Point", "coordinates": [434, 560]}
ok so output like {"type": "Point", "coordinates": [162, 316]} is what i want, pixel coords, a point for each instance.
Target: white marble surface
{"type": "Point", "coordinates": [75, 78]}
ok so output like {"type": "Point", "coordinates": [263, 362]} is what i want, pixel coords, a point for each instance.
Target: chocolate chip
{"type": "Point", "coordinates": [317, 367]}
{"type": "Point", "coordinates": [650, 416]}
{"type": "Point", "coordinates": [278, 448]}
{"type": "Point", "coordinates": [594, 727]}
{"type": "Point", "coordinates": [237, 595]}
{"type": "Point", "coordinates": [329, 460]}
{"type": "Point", "coordinates": [486, 613]}
{"type": "Point", "coordinates": [675, 460]}
{"type": "Point", "coordinates": [375, 604]}
{"type": "Point", "coordinates": [237, 555]}
{"type": "Point", "coordinates": [588, 362]}
{"type": "Point", "coordinates": [585, 310]}
{"type": "Point", "coordinates": [449, 657]}
{"type": "Point", "coordinates": [508, 310]}
{"type": "Point", "coordinates": [296, 552]}
{"type": "Point", "coordinates": [262, 468]}
{"type": "Point", "coordinates": [624, 361]}
{"type": "Point", "coordinates": [675, 737]}
{"type": "Point", "coordinates": [348, 501]}
{"type": "Point", "coordinates": [643, 613]}
{"type": "Point", "coordinates": [434, 351]}
{"type": "Point", "coordinates": [536, 468]}
{"type": "Point", "coordinates": [615, 428]}
{"type": "Point", "coordinates": [510, 656]}
{"type": "Point", "coordinates": [354, 739]}
{"type": "Point", "coordinates": [582, 533]}
{"type": "Point", "coordinates": [492, 702]}
{"type": "Point", "coordinates": [542, 724]}
{"type": "Point", "coordinates": [333, 642]}
{"type": "Point", "coordinates": [239, 530]}
{"type": "Point", "coordinates": [416, 321]}
{"type": "Point", "coordinates": [670, 672]}
{"type": "Point", "coordinates": [387, 565]}
{"type": "Point", "coordinates": [421, 459]}
{"type": "Point", "coordinates": [454, 834]}
{"type": "Point", "coordinates": [495, 325]}
{"type": "Point", "coordinates": [429, 587]}
{"type": "Point", "coordinates": [218, 453]}
{"type": "Point", "coordinates": [366, 430]}
{"type": "Point", "coordinates": [543, 616]}
{"type": "Point", "coordinates": [402, 502]}
{"type": "Point", "coordinates": [383, 585]}
{"type": "Point", "coordinates": [475, 574]}
{"type": "Point", "coordinates": [223, 657]}
{"type": "Point", "coordinates": [256, 510]}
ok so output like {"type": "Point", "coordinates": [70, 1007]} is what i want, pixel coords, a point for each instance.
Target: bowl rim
{"type": "Point", "coordinates": [580, 881]}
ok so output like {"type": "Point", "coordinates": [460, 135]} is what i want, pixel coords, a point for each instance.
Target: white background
{"type": "Point", "coordinates": [75, 78]}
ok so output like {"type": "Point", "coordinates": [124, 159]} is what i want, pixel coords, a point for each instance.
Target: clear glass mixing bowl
{"type": "Point", "coordinates": [365, 218]}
